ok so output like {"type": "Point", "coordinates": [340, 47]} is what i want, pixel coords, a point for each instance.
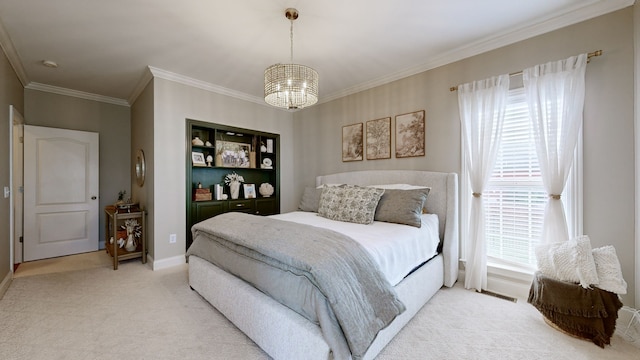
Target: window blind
{"type": "Point", "coordinates": [515, 198]}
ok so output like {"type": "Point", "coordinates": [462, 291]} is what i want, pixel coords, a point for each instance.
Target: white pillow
{"type": "Point", "coordinates": [400, 186]}
{"type": "Point", "coordinates": [323, 185]}
{"type": "Point", "coordinates": [609, 271]}
{"type": "Point", "coordinates": [570, 260]}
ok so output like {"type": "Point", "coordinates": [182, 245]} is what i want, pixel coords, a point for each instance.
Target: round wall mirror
{"type": "Point", "coordinates": [140, 168]}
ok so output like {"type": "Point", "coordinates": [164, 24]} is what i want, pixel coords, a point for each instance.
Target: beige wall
{"type": "Point", "coordinates": [608, 122]}
{"type": "Point", "coordinates": [111, 122]}
{"type": "Point", "coordinates": [10, 94]}
{"type": "Point", "coordinates": [173, 103]}
{"type": "Point", "coordinates": [142, 138]}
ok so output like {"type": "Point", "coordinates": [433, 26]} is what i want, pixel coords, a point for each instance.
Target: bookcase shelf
{"type": "Point", "coordinates": [252, 154]}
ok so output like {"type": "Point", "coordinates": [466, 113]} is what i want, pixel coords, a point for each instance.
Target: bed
{"type": "Point", "coordinates": [285, 331]}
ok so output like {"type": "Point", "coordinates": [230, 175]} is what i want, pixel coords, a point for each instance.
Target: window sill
{"type": "Point", "coordinates": [507, 270]}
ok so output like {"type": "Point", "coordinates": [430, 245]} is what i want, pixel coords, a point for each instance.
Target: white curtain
{"type": "Point", "coordinates": [482, 108]}
{"type": "Point", "coordinates": [555, 94]}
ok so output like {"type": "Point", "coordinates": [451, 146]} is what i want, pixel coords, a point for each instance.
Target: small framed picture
{"type": "Point", "coordinates": [233, 154]}
{"type": "Point", "coordinates": [410, 134]}
{"type": "Point", "coordinates": [379, 139]}
{"type": "Point", "coordinates": [198, 159]}
{"type": "Point", "coordinates": [249, 191]}
{"type": "Point", "coordinates": [352, 144]}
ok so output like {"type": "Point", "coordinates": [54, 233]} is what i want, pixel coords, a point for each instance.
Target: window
{"type": "Point", "coordinates": [515, 197]}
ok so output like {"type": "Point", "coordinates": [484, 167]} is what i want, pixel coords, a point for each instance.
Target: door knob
{"type": "Point", "coordinates": [93, 198]}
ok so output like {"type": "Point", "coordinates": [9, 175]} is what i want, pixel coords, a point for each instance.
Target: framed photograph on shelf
{"type": "Point", "coordinates": [249, 191]}
{"type": "Point", "coordinates": [233, 154]}
{"type": "Point", "coordinates": [352, 143]}
{"type": "Point", "coordinates": [198, 159]}
{"type": "Point", "coordinates": [410, 134]}
{"type": "Point", "coordinates": [379, 139]}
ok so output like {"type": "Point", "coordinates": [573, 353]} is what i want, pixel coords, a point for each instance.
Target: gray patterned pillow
{"type": "Point", "coordinates": [402, 206]}
{"type": "Point", "coordinates": [349, 203]}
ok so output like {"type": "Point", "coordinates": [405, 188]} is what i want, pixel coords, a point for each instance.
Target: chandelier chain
{"type": "Point", "coordinates": [291, 34]}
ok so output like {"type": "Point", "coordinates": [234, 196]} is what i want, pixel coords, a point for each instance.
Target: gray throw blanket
{"type": "Point", "coordinates": [362, 300]}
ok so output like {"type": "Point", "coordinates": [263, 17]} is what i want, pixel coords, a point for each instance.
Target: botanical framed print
{"type": "Point", "coordinates": [410, 133]}
{"type": "Point", "coordinates": [198, 158]}
{"type": "Point", "coordinates": [379, 139]}
{"type": "Point", "coordinates": [352, 142]}
{"type": "Point", "coordinates": [233, 154]}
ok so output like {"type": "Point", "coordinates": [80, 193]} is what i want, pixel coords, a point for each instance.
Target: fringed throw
{"type": "Point", "coordinates": [586, 313]}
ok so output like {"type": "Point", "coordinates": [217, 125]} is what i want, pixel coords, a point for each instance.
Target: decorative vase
{"type": "Point", "coordinates": [234, 188]}
{"type": "Point", "coordinates": [196, 141]}
{"type": "Point", "coordinates": [131, 244]}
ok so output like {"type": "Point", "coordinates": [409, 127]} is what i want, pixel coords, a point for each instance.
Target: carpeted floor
{"type": "Point", "coordinates": [94, 312]}
{"type": "Point", "coordinates": [84, 261]}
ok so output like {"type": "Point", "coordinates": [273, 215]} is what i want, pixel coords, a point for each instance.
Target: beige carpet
{"type": "Point", "coordinates": [136, 313]}
{"type": "Point", "coordinates": [90, 260]}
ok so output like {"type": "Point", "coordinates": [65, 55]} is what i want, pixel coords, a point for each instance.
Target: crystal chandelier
{"type": "Point", "coordinates": [290, 86]}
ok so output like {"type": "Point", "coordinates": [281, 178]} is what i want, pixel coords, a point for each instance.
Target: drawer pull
{"type": "Point", "coordinates": [239, 205]}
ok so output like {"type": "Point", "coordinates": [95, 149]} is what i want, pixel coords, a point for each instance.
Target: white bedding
{"type": "Point", "coordinates": [397, 249]}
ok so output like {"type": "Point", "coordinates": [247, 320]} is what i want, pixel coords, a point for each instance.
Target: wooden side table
{"type": "Point", "coordinates": [114, 219]}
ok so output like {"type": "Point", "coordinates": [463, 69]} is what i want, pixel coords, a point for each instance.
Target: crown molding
{"type": "Point", "coordinates": [572, 16]}
{"type": "Point", "coordinates": [12, 55]}
{"type": "Point", "coordinates": [75, 93]}
{"type": "Point", "coordinates": [185, 80]}
{"type": "Point", "coordinates": [147, 76]}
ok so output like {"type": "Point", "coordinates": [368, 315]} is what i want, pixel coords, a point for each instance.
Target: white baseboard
{"type": "Point", "coordinates": [4, 285]}
{"type": "Point", "coordinates": [166, 263]}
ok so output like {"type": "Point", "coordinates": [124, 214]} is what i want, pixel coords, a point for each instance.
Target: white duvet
{"type": "Point", "coordinates": [397, 249]}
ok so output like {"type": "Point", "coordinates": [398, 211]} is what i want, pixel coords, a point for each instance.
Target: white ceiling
{"type": "Point", "coordinates": [103, 48]}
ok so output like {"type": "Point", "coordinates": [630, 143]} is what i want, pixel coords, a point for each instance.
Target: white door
{"type": "Point", "coordinates": [60, 192]}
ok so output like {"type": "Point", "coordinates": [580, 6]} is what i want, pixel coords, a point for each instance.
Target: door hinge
{"type": "Point", "coordinates": [21, 239]}
{"type": "Point", "coordinates": [21, 189]}
{"type": "Point", "coordinates": [21, 139]}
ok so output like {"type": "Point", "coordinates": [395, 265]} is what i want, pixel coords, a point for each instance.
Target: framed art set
{"type": "Point", "coordinates": [409, 138]}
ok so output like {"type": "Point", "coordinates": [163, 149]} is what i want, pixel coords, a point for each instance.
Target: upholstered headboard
{"type": "Point", "coordinates": [442, 200]}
